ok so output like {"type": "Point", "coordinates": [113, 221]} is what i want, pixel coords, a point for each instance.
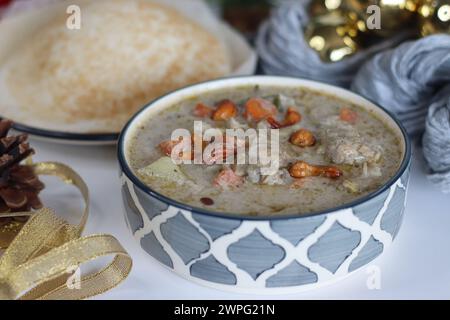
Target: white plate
{"type": "Point", "coordinates": [17, 28]}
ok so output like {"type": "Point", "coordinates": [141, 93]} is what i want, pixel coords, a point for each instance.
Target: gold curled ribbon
{"type": "Point", "coordinates": [39, 261]}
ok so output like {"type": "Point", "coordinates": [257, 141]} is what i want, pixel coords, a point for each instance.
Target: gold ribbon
{"type": "Point", "coordinates": [40, 260]}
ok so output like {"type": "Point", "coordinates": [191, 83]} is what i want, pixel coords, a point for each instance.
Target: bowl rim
{"type": "Point", "coordinates": [226, 215]}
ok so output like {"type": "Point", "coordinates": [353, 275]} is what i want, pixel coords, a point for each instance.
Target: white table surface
{"type": "Point", "coordinates": [417, 265]}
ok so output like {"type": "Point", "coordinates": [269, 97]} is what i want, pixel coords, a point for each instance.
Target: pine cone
{"type": "Point", "coordinates": [19, 185]}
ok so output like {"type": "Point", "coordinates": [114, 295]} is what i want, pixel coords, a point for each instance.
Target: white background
{"type": "Point", "coordinates": [417, 265]}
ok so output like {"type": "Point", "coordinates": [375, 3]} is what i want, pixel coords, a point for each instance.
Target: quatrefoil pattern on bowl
{"type": "Point", "coordinates": [253, 255]}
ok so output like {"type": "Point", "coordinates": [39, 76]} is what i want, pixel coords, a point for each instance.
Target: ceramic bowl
{"type": "Point", "coordinates": [260, 254]}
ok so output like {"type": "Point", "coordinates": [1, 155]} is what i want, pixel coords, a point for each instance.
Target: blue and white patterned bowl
{"type": "Point", "coordinates": [257, 254]}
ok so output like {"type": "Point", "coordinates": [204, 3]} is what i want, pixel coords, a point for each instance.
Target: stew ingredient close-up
{"type": "Point", "coordinates": [330, 152]}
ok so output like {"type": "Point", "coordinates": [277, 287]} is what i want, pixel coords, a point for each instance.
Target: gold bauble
{"type": "Point", "coordinates": [434, 17]}
{"type": "Point", "coordinates": [333, 18]}
{"type": "Point", "coordinates": [393, 14]}
{"type": "Point", "coordinates": [339, 28]}
{"type": "Point", "coordinates": [323, 7]}
{"type": "Point", "coordinates": [333, 43]}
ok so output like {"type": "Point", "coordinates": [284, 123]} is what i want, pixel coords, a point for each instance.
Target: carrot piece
{"type": "Point", "coordinates": [258, 109]}
{"type": "Point", "coordinates": [228, 178]}
{"type": "Point", "coordinates": [202, 110]}
{"type": "Point", "coordinates": [348, 115]}
{"type": "Point", "coordinates": [225, 110]}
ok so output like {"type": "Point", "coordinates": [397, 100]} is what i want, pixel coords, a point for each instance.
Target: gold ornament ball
{"type": "Point", "coordinates": [333, 43]}
{"type": "Point", "coordinates": [394, 15]}
{"type": "Point", "coordinates": [333, 18]}
{"type": "Point", "coordinates": [435, 17]}
{"type": "Point", "coordinates": [324, 7]}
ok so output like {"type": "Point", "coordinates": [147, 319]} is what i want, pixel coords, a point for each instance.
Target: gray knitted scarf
{"type": "Point", "coordinates": [412, 80]}
{"type": "Point", "coordinates": [283, 50]}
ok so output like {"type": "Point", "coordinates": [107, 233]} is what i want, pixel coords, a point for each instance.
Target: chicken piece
{"type": "Point", "coordinates": [234, 124]}
{"type": "Point", "coordinates": [370, 171]}
{"type": "Point", "coordinates": [263, 125]}
{"type": "Point", "coordinates": [281, 177]}
{"type": "Point", "coordinates": [227, 178]}
{"type": "Point", "coordinates": [253, 173]}
{"type": "Point", "coordinates": [282, 101]}
{"type": "Point", "coordinates": [344, 152]}
{"type": "Point", "coordinates": [352, 152]}
{"type": "Point", "coordinates": [344, 144]}
{"type": "Point", "coordinates": [371, 153]}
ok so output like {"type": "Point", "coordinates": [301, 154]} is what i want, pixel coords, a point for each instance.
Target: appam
{"type": "Point", "coordinates": [92, 80]}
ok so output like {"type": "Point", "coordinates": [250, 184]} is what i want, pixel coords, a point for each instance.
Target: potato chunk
{"type": "Point", "coordinates": [164, 168]}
